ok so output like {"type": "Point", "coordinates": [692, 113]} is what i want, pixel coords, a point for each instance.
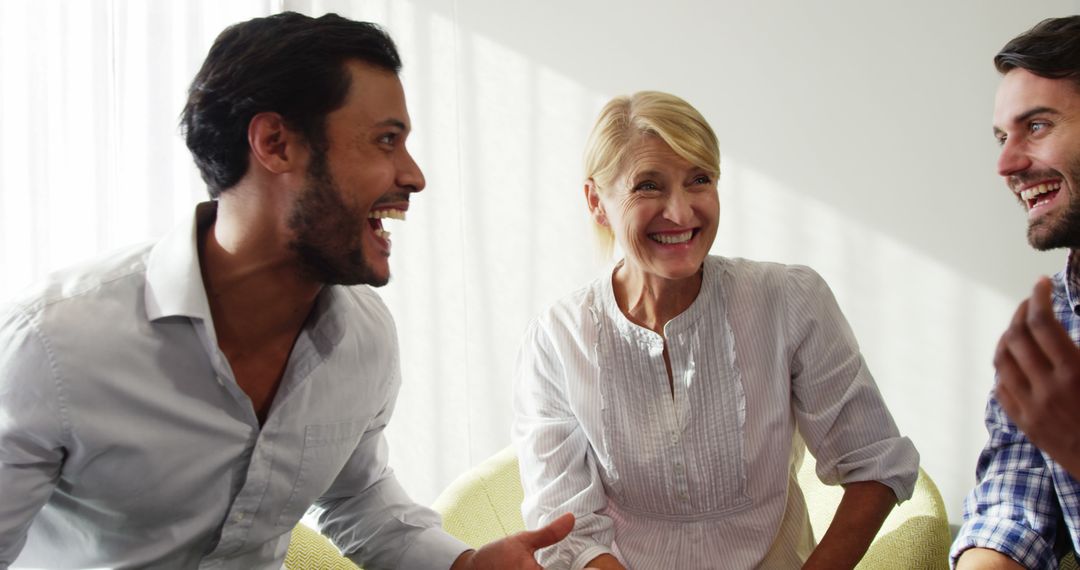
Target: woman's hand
{"type": "Point", "coordinates": [858, 519]}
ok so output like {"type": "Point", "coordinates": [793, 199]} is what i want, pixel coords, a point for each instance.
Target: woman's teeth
{"type": "Point", "coordinates": [673, 238]}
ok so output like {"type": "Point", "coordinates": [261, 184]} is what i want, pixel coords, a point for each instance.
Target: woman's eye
{"type": "Point", "coordinates": [646, 186]}
{"type": "Point", "coordinates": [702, 179]}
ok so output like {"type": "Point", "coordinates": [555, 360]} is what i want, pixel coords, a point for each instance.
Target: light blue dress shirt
{"type": "Point", "coordinates": [125, 440]}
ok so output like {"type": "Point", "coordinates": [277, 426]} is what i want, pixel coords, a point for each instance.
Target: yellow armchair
{"type": "Point", "coordinates": [484, 504]}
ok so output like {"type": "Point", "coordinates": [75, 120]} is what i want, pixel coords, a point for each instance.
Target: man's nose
{"type": "Point", "coordinates": [409, 175]}
{"type": "Point", "coordinates": [1013, 159]}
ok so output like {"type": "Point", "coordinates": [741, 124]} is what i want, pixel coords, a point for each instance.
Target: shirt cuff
{"type": "Point", "coordinates": [433, 549]}
{"type": "Point", "coordinates": [1027, 547]}
{"type": "Point", "coordinates": [585, 557]}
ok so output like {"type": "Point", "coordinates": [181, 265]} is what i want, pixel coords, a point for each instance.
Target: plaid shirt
{"type": "Point", "coordinates": [1024, 503]}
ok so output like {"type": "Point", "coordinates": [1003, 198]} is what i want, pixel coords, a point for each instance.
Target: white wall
{"type": "Point", "coordinates": [855, 138]}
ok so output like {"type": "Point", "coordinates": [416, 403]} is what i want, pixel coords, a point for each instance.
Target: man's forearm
{"type": "Point", "coordinates": [985, 559]}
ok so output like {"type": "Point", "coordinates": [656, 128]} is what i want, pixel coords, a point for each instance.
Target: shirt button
{"type": "Point", "coordinates": [674, 438]}
{"type": "Point", "coordinates": [238, 517]}
{"type": "Point", "coordinates": [678, 468]}
{"type": "Point", "coordinates": [684, 496]}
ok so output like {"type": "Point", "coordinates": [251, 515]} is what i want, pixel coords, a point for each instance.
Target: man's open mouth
{"type": "Point", "coordinates": [1040, 193]}
{"type": "Point", "coordinates": [376, 217]}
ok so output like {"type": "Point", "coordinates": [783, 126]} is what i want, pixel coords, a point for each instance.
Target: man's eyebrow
{"type": "Point", "coordinates": [1035, 111]}
{"type": "Point", "coordinates": [1023, 117]}
{"type": "Point", "coordinates": [392, 123]}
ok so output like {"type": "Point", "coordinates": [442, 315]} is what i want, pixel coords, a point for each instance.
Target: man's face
{"type": "Point", "coordinates": [1037, 123]}
{"type": "Point", "coordinates": [363, 174]}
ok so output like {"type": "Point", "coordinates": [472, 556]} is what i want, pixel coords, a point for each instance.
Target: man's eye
{"type": "Point", "coordinates": [1000, 139]}
{"type": "Point", "coordinates": [388, 138]}
{"type": "Point", "coordinates": [1038, 126]}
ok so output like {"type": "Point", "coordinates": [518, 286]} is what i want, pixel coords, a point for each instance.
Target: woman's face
{"type": "Point", "coordinates": [662, 209]}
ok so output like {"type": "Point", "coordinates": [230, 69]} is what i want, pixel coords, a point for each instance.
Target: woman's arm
{"type": "Point", "coordinates": [558, 471]}
{"type": "Point", "coordinates": [605, 562]}
{"type": "Point", "coordinates": [858, 518]}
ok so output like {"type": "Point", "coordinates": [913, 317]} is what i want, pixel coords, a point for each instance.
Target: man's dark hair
{"type": "Point", "coordinates": [288, 63]}
{"type": "Point", "coordinates": [1051, 49]}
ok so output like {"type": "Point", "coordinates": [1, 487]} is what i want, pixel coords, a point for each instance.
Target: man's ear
{"type": "Point", "coordinates": [273, 144]}
{"type": "Point", "coordinates": [596, 207]}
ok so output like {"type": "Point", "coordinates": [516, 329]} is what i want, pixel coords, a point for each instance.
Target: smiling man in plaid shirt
{"type": "Point", "coordinates": [1025, 510]}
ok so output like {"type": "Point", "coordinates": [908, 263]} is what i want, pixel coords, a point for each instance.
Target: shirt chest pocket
{"type": "Point", "coordinates": [327, 447]}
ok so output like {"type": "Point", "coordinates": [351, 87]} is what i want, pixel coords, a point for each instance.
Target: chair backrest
{"type": "Point", "coordinates": [309, 550]}
{"type": "Point", "coordinates": [484, 504]}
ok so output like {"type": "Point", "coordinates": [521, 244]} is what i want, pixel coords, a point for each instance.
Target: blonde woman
{"type": "Point", "coordinates": [666, 404]}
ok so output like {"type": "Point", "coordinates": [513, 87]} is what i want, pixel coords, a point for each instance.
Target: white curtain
{"type": "Point", "coordinates": [91, 160]}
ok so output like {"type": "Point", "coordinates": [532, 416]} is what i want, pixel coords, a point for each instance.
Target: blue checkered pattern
{"type": "Point", "coordinates": [1022, 496]}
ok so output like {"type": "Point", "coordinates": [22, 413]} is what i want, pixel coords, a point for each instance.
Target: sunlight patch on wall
{"type": "Point", "coordinates": [927, 331]}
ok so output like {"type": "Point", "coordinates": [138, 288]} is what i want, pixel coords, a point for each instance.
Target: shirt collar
{"type": "Point", "coordinates": [174, 285]}
{"type": "Point", "coordinates": [1072, 280]}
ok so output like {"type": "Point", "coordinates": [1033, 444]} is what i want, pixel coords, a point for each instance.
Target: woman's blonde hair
{"type": "Point", "coordinates": [675, 121]}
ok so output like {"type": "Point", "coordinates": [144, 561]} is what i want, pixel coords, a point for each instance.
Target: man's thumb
{"type": "Point", "coordinates": [550, 534]}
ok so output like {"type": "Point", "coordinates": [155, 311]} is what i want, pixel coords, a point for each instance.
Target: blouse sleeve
{"type": "Point", "coordinates": [559, 471]}
{"type": "Point", "coordinates": [838, 407]}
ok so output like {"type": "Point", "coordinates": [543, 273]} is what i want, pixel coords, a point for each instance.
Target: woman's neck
{"type": "Point", "coordinates": [651, 301]}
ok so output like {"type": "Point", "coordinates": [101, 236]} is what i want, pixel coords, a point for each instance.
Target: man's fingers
{"type": "Point", "coordinates": [1048, 333]}
{"type": "Point", "coordinates": [1004, 393]}
{"type": "Point", "coordinates": [1018, 342]}
{"type": "Point", "coordinates": [550, 534]}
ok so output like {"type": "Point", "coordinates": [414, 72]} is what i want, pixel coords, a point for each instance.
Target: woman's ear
{"type": "Point", "coordinates": [596, 207]}
{"type": "Point", "coordinates": [272, 144]}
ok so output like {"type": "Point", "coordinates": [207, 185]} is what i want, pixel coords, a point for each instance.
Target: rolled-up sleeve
{"type": "Point", "coordinates": [32, 430]}
{"type": "Point", "coordinates": [368, 515]}
{"type": "Point", "coordinates": [1013, 508]}
{"type": "Point", "coordinates": [559, 472]}
{"type": "Point", "coordinates": [838, 407]}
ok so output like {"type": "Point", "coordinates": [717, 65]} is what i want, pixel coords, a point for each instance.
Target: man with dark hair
{"type": "Point", "coordinates": [1024, 512]}
{"type": "Point", "coordinates": [183, 405]}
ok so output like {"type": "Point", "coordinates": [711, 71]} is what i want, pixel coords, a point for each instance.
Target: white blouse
{"type": "Point", "coordinates": [704, 477]}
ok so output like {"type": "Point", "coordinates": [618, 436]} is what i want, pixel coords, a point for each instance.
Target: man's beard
{"type": "Point", "coordinates": [1061, 229]}
{"type": "Point", "coordinates": [328, 232]}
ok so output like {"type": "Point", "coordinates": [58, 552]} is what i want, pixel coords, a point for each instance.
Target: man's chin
{"type": "Point", "coordinates": [366, 277]}
{"type": "Point", "coordinates": [1043, 240]}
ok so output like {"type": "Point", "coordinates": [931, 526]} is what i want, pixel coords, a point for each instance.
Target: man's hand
{"type": "Point", "coordinates": [515, 552]}
{"type": "Point", "coordinates": [1039, 379]}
